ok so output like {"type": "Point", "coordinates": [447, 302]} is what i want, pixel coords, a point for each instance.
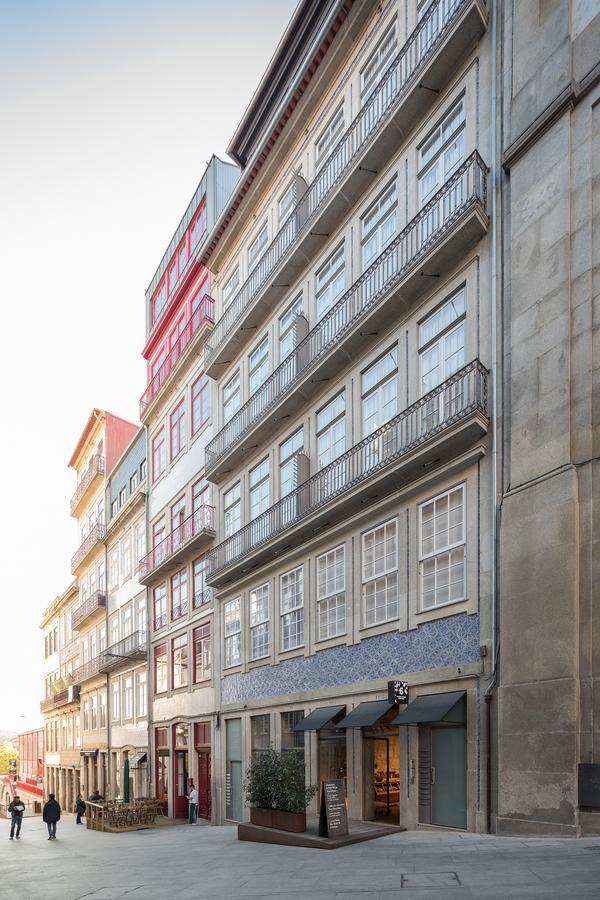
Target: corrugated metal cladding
{"type": "Point", "coordinates": [121, 477]}
{"type": "Point", "coordinates": [217, 183]}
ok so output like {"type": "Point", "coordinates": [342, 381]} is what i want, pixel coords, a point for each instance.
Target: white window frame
{"type": "Point", "coordinates": [258, 247]}
{"type": "Point", "coordinates": [230, 288]}
{"type": "Point", "coordinates": [286, 325]}
{"type": "Point", "coordinates": [258, 479]}
{"type": "Point", "coordinates": [258, 365]}
{"type": "Point", "coordinates": [232, 396]}
{"type": "Point", "coordinates": [291, 612]}
{"type": "Point", "coordinates": [260, 631]}
{"type": "Point", "coordinates": [455, 551]}
{"type": "Point", "coordinates": [388, 376]}
{"type": "Point", "coordinates": [435, 150]}
{"type": "Point", "coordinates": [329, 136]}
{"type": "Point", "coordinates": [379, 225]}
{"type": "Point", "coordinates": [326, 278]}
{"type": "Point", "coordinates": [235, 500]}
{"type": "Point", "coordinates": [377, 579]}
{"type": "Point", "coordinates": [331, 601]}
{"type": "Point", "coordinates": [378, 62]}
{"type": "Point", "coordinates": [328, 419]}
{"type": "Point", "coordinates": [232, 633]}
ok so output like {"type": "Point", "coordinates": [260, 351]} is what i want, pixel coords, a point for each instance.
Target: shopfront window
{"type": "Point", "coordinates": [260, 727]}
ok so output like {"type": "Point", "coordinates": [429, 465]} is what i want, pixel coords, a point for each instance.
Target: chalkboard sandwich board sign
{"type": "Point", "coordinates": [333, 816]}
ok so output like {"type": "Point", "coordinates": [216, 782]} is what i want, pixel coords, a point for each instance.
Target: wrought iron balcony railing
{"type": "Point", "coordinates": [96, 535]}
{"type": "Point", "coordinates": [202, 316]}
{"type": "Point", "coordinates": [453, 400]}
{"type": "Point", "coordinates": [95, 467]}
{"type": "Point", "coordinates": [81, 613]}
{"type": "Point", "coordinates": [465, 187]}
{"type": "Point", "coordinates": [70, 649]}
{"type": "Point", "coordinates": [132, 648]}
{"type": "Point", "coordinates": [201, 522]}
{"type": "Point", "coordinates": [402, 73]}
{"type": "Point", "coordinates": [160, 621]}
{"type": "Point", "coordinates": [87, 670]}
{"type": "Point", "coordinates": [202, 598]}
{"type": "Point", "coordinates": [61, 698]}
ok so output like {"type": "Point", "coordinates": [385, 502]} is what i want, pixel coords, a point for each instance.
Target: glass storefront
{"type": "Point", "coordinates": [381, 767]}
{"type": "Point", "coordinates": [332, 756]}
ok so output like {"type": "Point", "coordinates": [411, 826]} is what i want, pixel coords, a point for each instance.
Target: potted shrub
{"type": "Point", "coordinates": [276, 790]}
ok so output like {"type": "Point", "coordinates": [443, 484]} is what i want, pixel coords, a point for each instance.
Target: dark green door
{"type": "Point", "coordinates": [449, 776]}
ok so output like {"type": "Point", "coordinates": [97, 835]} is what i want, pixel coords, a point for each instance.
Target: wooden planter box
{"type": "Point", "coordinates": [275, 818]}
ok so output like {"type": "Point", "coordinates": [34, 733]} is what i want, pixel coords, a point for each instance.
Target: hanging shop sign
{"type": "Point", "coordinates": [398, 692]}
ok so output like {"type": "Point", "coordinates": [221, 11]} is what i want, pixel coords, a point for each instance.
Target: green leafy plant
{"type": "Point", "coordinates": [275, 780]}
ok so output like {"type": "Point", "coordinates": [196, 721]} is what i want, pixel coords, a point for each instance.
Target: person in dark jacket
{"type": "Point", "coordinates": [16, 809]}
{"type": "Point", "coordinates": [51, 815]}
{"type": "Point", "coordinates": [79, 808]}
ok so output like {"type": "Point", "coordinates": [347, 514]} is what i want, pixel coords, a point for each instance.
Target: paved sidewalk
{"type": "Point", "coordinates": [207, 863]}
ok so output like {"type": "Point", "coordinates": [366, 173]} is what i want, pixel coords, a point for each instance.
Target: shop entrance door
{"type": "Point", "coordinates": [204, 776]}
{"type": "Point", "coordinates": [381, 768]}
{"type": "Point", "coordinates": [449, 776]}
{"type": "Point", "coordinates": [180, 778]}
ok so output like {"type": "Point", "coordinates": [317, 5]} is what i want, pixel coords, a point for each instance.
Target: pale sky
{"type": "Point", "coordinates": [109, 112]}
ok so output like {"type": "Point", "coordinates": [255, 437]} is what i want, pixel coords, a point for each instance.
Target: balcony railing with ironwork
{"type": "Point", "coordinates": [61, 698]}
{"type": "Point", "coordinates": [200, 522]}
{"type": "Point", "coordinates": [96, 535]}
{"type": "Point", "coordinates": [95, 467]}
{"type": "Point", "coordinates": [202, 598]}
{"type": "Point", "coordinates": [461, 394]}
{"type": "Point", "coordinates": [466, 187]}
{"type": "Point", "coordinates": [180, 610]}
{"type": "Point", "coordinates": [402, 73]}
{"type": "Point", "coordinates": [160, 621]}
{"type": "Point", "coordinates": [87, 670]}
{"type": "Point", "coordinates": [81, 613]}
{"type": "Point", "coordinates": [202, 316]}
{"type": "Point", "coordinates": [70, 649]}
{"type": "Point", "coordinates": [130, 649]}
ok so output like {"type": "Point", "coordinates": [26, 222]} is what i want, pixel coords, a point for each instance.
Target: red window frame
{"type": "Point", "coordinates": [199, 494]}
{"type": "Point", "coordinates": [155, 299]}
{"type": "Point", "coordinates": [200, 402]}
{"type": "Point", "coordinates": [158, 532]}
{"type": "Point", "coordinates": [201, 734]}
{"type": "Point", "coordinates": [201, 633]}
{"type": "Point", "coordinates": [160, 652]}
{"type": "Point", "coordinates": [183, 642]}
{"type": "Point", "coordinates": [159, 453]}
{"type": "Point", "coordinates": [172, 265]}
{"type": "Point", "coordinates": [178, 513]}
{"type": "Point", "coordinates": [177, 429]}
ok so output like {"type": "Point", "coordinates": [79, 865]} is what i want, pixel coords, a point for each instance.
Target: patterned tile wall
{"type": "Point", "coordinates": [446, 642]}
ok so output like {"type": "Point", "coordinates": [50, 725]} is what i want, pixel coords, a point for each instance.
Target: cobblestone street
{"type": "Point", "coordinates": [204, 862]}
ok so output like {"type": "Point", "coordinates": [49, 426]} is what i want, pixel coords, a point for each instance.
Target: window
{"type": "Point", "coordinates": [113, 569]}
{"type": "Point", "coordinates": [139, 542]}
{"type": "Point", "coordinates": [122, 496]}
{"type": "Point", "coordinates": [86, 715]}
{"type": "Point", "coordinates": [259, 489]}
{"type": "Point", "coordinates": [114, 508]}
{"type": "Point", "coordinates": [291, 601]}
{"type": "Point", "coordinates": [179, 594]}
{"type": "Point", "coordinates": [331, 593]}
{"type": "Point", "coordinates": [159, 301]}
{"type": "Point", "coordinates": [378, 227]}
{"type": "Point", "coordinates": [201, 591]}
{"type": "Point", "coordinates": [380, 573]}
{"type": "Point", "coordinates": [101, 638]}
{"type": "Point", "coordinates": [260, 734]}
{"type": "Point", "coordinates": [159, 456]}
{"type": "Point", "coordinates": [160, 606]}
{"type": "Point", "coordinates": [183, 256]}
{"type": "Point", "coordinates": [380, 392]}
{"type": "Point", "coordinates": [288, 469]}
{"type": "Point", "coordinates": [290, 739]}
{"type": "Point", "coordinates": [197, 228]}
{"type": "Point", "coordinates": [141, 692]}
{"type": "Point", "coordinates": [143, 467]}
{"type": "Point", "coordinates": [287, 330]}
{"type": "Point", "coordinates": [378, 64]}
{"type": "Point", "coordinates": [258, 366]}
{"type": "Point", "coordinates": [127, 621]}
{"type": "Point", "coordinates": [140, 614]}
{"type": "Point", "coordinates": [177, 423]}
{"type": "Point", "coordinates": [232, 510]}
{"type": "Point", "coordinates": [232, 627]}
{"type": "Point", "coordinates": [179, 655]}
{"type": "Point", "coordinates": [231, 397]}
{"type": "Point", "coordinates": [329, 137]}
{"type": "Point", "coordinates": [159, 532]}
{"type": "Point", "coordinates": [442, 342]}
{"type": "Point", "coordinates": [160, 669]}
{"type": "Point", "coordinates": [230, 287]}
{"type": "Point", "coordinates": [126, 555]}
{"type": "Point", "coordinates": [331, 430]}
{"type": "Point", "coordinates": [128, 697]}
{"type": "Point", "coordinates": [286, 203]}
{"type": "Point", "coordinates": [114, 629]}
{"type": "Point", "coordinates": [259, 622]}
{"type": "Point", "coordinates": [172, 276]}
{"type": "Point", "coordinates": [177, 520]}
{"type": "Point", "coordinates": [441, 153]}
{"type": "Point", "coordinates": [133, 482]}
{"type": "Point", "coordinates": [257, 247]}
{"type": "Point", "coordinates": [442, 549]}
{"type": "Point", "coordinates": [77, 731]}
{"type": "Point", "coordinates": [200, 403]}
{"type": "Point", "coordinates": [330, 282]}
{"type": "Point", "coordinates": [202, 652]}
{"type": "Point", "coordinates": [93, 712]}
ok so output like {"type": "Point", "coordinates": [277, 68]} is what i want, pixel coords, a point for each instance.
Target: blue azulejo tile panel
{"type": "Point", "coordinates": [452, 641]}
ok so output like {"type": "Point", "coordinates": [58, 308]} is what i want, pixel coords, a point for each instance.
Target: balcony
{"type": "Point", "coordinates": [70, 650]}
{"type": "Point", "coordinates": [92, 476]}
{"type": "Point", "coordinates": [88, 670]}
{"type": "Point", "coordinates": [61, 698]}
{"type": "Point", "coordinates": [451, 222]}
{"type": "Point", "coordinates": [194, 534]}
{"type": "Point", "coordinates": [83, 613]}
{"type": "Point", "coordinates": [421, 69]}
{"type": "Point", "coordinates": [187, 345]}
{"type": "Point", "coordinates": [131, 649]}
{"type": "Point", "coordinates": [439, 426]}
{"type": "Point", "coordinates": [95, 537]}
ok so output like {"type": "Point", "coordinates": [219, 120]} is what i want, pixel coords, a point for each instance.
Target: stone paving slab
{"type": "Point", "coordinates": [186, 862]}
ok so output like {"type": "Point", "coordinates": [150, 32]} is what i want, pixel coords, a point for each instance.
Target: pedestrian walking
{"type": "Point", "coordinates": [79, 809]}
{"type": "Point", "coordinates": [16, 809]}
{"type": "Point", "coordinates": [193, 801]}
{"type": "Point", "coordinates": [51, 815]}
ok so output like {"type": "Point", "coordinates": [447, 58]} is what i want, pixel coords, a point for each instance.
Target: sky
{"type": "Point", "coordinates": [109, 112]}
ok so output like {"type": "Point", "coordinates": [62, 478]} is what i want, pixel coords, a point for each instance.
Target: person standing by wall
{"type": "Point", "coordinates": [16, 808]}
{"type": "Point", "coordinates": [193, 801]}
{"type": "Point", "coordinates": [79, 809]}
{"type": "Point", "coordinates": [51, 815]}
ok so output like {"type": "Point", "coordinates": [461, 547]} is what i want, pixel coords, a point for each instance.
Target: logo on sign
{"type": "Point", "coordinates": [398, 692]}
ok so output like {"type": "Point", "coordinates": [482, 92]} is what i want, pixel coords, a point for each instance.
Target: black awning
{"type": "Point", "coordinates": [366, 714]}
{"type": "Point", "coordinates": [137, 759]}
{"type": "Point", "coordinates": [321, 718]}
{"type": "Point", "coordinates": [88, 753]}
{"type": "Point", "coordinates": [430, 708]}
